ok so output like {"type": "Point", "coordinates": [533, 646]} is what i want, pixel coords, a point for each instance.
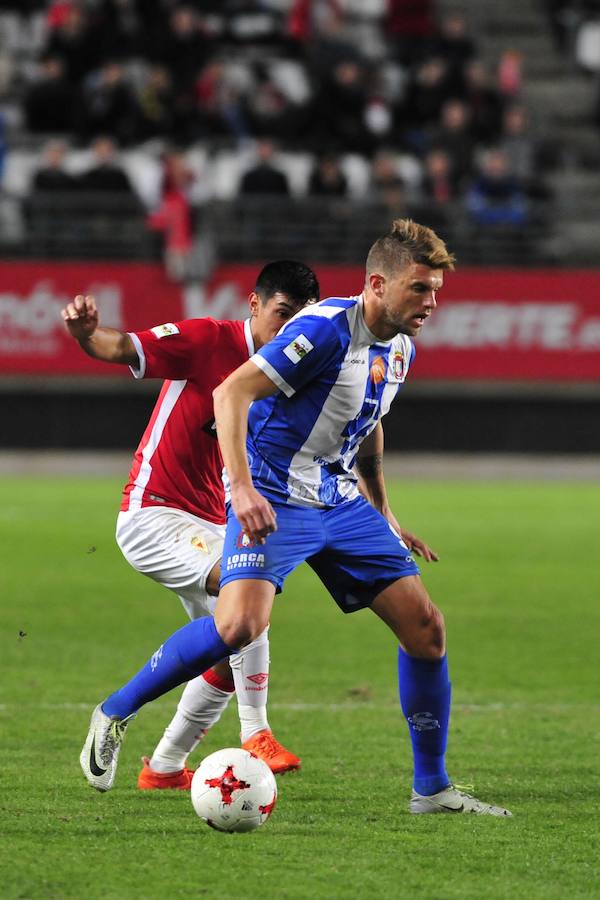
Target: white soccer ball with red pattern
{"type": "Point", "coordinates": [234, 790]}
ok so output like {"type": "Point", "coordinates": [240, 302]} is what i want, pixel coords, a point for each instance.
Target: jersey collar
{"type": "Point", "coordinates": [249, 338]}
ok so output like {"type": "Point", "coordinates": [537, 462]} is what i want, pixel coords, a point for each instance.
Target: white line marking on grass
{"type": "Point", "coordinates": [336, 707]}
{"type": "Point", "coordinates": [406, 466]}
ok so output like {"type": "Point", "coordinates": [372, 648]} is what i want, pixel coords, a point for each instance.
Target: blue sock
{"type": "Point", "coordinates": [425, 699]}
{"type": "Point", "coordinates": [187, 653]}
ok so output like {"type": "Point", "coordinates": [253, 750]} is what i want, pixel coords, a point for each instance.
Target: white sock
{"type": "Point", "coordinates": [201, 705]}
{"type": "Point", "coordinates": [250, 668]}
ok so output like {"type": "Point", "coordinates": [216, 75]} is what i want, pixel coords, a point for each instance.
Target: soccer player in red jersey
{"type": "Point", "coordinates": [172, 519]}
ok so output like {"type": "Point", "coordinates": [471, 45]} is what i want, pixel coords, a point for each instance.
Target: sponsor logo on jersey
{"type": "Point", "coordinates": [244, 541]}
{"type": "Point", "coordinates": [298, 348]}
{"type": "Point", "coordinates": [377, 371]}
{"type": "Point", "coordinates": [398, 365]}
{"type": "Point", "coordinates": [199, 543]}
{"type": "Point", "coordinates": [165, 330]}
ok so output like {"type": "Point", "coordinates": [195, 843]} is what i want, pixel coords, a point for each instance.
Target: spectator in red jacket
{"type": "Point", "coordinates": [174, 217]}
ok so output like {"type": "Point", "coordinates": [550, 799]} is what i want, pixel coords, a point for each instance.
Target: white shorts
{"type": "Point", "coordinates": [176, 549]}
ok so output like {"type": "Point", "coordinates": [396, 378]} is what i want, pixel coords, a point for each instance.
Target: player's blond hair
{"type": "Point", "coordinates": [408, 242]}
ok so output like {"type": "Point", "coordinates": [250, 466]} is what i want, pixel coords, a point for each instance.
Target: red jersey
{"type": "Point", "coordinates": [178, 461]}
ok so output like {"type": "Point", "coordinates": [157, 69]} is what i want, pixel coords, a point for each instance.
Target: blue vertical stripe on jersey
{"type": "Point", "coordinates": [303, 443]}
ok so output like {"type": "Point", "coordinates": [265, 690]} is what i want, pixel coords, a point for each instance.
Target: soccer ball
{"type": "Point", "coordinates": [233, 790]}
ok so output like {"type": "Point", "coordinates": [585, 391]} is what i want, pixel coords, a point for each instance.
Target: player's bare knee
{"type": "Point", "coordinates": [239, 632]}
{"type": "Point", "coordinates": [234, 633]}
{"type": "Point", "coordinates": [427, 640]}
{"type": "Point", "coordinates": [436, 635]}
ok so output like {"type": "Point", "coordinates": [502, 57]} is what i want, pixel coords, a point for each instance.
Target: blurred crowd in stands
{"type": "Point", "coordinates": [384, 99]}
{"type": "Point", "coordinates": [567, 17]}
{"type": "Point", "coordinates": [576, 30]}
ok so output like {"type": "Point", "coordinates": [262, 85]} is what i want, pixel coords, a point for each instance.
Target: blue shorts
{"type": "Point", "coordinates": [351, 547]}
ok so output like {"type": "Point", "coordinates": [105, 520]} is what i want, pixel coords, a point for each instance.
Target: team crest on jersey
{"type": "Point", "coordinates": [298, 348]}
{"type": "Point", "coordinates": [243, 541]}
{"type": "Point", "coordinates": [165, 330]}
{"type": "Point", "coordinates": [398, 365]}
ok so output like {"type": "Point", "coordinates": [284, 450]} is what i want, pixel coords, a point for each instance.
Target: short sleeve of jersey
{"type": "Point", "coordinates": [174, 350]}
{"type": "Point", "coordinates": [302, 350]}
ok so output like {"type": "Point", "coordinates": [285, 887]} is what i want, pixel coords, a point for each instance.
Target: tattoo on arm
{"type": "Point", "coordinates": [370, 466]}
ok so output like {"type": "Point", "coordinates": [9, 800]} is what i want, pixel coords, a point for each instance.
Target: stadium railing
{"type": "Point", "coordinates": [83, 225]}
{"type": "Point", "coordinates": [75, 225]}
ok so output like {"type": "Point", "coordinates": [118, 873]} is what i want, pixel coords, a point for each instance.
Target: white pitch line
{"type": "Point", "coordinates": [407, 466]}
{"type": "Point", "coordinates": [337, 707]}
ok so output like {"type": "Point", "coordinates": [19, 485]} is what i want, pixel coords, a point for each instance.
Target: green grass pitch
{"type": "Point", "coordinates": [519, 583]}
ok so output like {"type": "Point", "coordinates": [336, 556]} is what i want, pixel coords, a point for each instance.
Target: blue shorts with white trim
{"type": "Point", "coordinates": [351, 547]}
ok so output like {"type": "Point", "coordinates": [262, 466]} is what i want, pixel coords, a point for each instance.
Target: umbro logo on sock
{"type": "Point", "coordinates": [423, 721]}
{"type": "Point", "coordinates": [259, 678]}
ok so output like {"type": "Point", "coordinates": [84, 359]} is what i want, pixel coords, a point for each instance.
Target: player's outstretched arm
{"type": "Point", "coordinates": [83, 323]}
{"type": "Point", "coordinates": [369, 464]}
{"type": "Point", "coordinates": [232, 401]}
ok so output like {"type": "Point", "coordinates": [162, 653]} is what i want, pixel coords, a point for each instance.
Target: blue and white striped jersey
{"type": "Point", "coordinates": [336, 379]}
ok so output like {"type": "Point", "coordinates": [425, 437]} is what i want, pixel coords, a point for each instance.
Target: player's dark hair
{"type": "Point", "coordinates": [286, 276]}
{"type": "Point", "coordinates": [408, 242]}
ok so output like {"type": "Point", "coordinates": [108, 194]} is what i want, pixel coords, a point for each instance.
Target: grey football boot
{"type": "Point", "coordinates": [100, 753]}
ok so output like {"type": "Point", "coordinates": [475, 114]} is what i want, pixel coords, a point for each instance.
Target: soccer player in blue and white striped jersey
{"type": "Point", "coordinates": [293, 423]}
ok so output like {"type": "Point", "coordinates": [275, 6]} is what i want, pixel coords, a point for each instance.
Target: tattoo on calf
{"type": "Point", "coordinates": [370, 466]}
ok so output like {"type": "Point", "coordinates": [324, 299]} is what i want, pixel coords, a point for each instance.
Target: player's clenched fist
{"type": "Point", "coordinates": [83, 323]}
{"type": "Point", "coordinates": [254, 513]}
{"type": "Point", "coordinates": [81, 317]}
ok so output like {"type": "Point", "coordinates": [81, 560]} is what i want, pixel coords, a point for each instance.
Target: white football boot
{"type": "Point", "coordinates": [101, 750]}
{"type": "Point", "coordinates": [454, 799]}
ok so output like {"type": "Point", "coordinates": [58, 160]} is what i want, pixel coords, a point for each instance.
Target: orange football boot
{"type": "Point", "coordinates": [157, 781]}
{"type": "Point", "coordinates": [264, 745]}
